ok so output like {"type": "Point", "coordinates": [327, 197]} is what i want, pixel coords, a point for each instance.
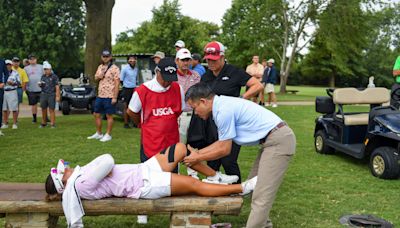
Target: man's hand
{"type": "Point", "coordinates": [58, 99]}
{"type": "Point", "coordinates": [114, 101]}
{"type": "Point", "coordinates": [1, 85]}
{"type": "Point", "coordinates": [193, 158]}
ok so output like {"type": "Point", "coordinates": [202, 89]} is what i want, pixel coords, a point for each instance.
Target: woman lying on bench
{"type": "Point", "coordinates": [152, 179]}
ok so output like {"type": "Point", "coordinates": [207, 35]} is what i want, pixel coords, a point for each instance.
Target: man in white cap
{"type": "Point", "coordinates": [10, 102]}
{"type": "Point", "coordinates": [49, 95]}
{"type": "Point", "coordinates": [269, 79]}
{"type": "Point", "coordinates": [179, 44]}
{"type": "Point", "coordinates": [158, 56]}
{"type": "Point", "coordinates": [186, 78]}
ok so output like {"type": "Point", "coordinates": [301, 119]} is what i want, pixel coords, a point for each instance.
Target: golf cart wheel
{"type": "Point", "coordinates": [320, 143]}
{"type": "Point", "coordinates": [65, 107]}
{"type": "Point", "coordinates": [384, 163]}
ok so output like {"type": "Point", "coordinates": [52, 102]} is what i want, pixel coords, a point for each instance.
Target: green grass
{"type": "Point", "coordinates": [317, 189]}
{"type": "Point", "coordinates": [306, 93]}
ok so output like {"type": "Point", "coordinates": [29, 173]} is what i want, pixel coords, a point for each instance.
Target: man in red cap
{"type": "Point", "coordinates": [224, 79]}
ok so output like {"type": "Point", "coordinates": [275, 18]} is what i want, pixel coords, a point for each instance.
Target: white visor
{"type": "Point", "coordinates": [57, 175]}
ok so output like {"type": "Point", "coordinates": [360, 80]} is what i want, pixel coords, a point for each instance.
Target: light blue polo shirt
{"type": "Point", "coordinates": [129, 76]}
{"type": "Point", "coordinates": [243, 121]}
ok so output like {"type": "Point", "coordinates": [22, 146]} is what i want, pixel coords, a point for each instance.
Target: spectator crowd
{"type": "Point", "coordinates": [183, 103]}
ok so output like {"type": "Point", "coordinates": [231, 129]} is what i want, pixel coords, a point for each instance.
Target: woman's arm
{"type": "Point", "coordinates": [99, 168]}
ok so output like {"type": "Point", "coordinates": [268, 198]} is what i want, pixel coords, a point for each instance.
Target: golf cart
{"type": "Point", "coordinates": [76, 93]}
{"type": "Point", "coordinates": [373, 135]}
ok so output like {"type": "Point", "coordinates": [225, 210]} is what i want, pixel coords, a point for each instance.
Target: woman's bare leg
{"type": "Point", "coordinates": [180, 153]}
{"type": "Point", "coordinates": [185, 185]}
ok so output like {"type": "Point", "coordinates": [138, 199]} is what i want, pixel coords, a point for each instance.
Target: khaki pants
{"type": "Point", "coordinates": [270, 166]}
{"type": "Point", "coordinates": [183, 122]}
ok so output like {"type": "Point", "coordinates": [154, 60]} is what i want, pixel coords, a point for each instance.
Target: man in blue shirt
{"type": "Point", "coordinates": [245, 123]}
{"type": "Point", "coordinates": [129, 76]}
{"type": "Point", "coordinates": [269, 80]}
{"type": "Point", "coordinates": [3, 79]}
{"type": "Point", "coordinates": [196, 64]}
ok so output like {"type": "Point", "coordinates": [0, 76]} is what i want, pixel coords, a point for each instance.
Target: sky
{"type": "Point", "coordinates": [128, 14]}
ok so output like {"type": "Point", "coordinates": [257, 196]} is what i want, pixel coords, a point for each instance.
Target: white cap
{"type": "Point", "coordinates": [46, 65]}
{"type": "Point", "coordinates": [180, 44]}
{"type": "Point", "coordinates": [8, 61]}
{"type": "Point", "coordinates": [271, 61]}
{"type": "Point", "coordinates": [57, 175]}
{"type": "Point", "coordinates": [183, 53]}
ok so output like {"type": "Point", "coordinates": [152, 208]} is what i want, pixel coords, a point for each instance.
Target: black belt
{"type": "Point", "coordinates": [281, 124]}
{"type": "Point", "coordinates": [9, 89]}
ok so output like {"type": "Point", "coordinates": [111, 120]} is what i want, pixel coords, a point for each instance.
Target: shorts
{"type": "Point", "coordinates": [269, 88]}
{"type": "Point", "coordinates": [127, 94]}
{"type": "Point", "coordinates": [10, 101]}
{"type": "Point", "coordinates": [47, 101]}
{"type": "Point", "coordinates": [33, 97]}
{"type": "Point", "coordinates": [20, 92]}
{"type": "Point", "coordinates": [103, 106]}
{"type": "Point", "coordinates": [156, 183]}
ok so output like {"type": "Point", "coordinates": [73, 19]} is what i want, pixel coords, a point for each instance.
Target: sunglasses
{"type": "Point", "coordinates": [106, 56]}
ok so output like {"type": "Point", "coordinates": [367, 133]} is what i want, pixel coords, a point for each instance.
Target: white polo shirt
{"type": "Point", "coordinates": [243, 121]}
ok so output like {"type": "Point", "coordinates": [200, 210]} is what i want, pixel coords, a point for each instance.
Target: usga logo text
{"type": "Point", "coordinates": [162, 111]}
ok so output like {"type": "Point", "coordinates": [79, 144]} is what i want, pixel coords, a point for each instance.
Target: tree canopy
{"type": "Point", "coordinates": [353, 44]}
{"type": "Point", "coordinates": [166, 27]}
{"type": "Point", "coordinates": [53, 30]}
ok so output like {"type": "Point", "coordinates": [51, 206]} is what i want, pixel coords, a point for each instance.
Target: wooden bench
{"type": "Point", "coordinates": [23, 205]}
{"type": "Point", "coordinates": [292, 91]}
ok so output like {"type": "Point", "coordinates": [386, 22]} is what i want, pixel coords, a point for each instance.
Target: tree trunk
{"type": "Point", "coordinates": [283, 82]}
{"type": "Point", "coordinates": [332, 79]}
{"type": "Point", "coordinates": [98, 33]}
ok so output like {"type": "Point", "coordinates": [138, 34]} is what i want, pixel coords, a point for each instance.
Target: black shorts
{"type": "Point", "coordinates": [127, 94]}
{"type": "Point", "coordinates": [33, 97]}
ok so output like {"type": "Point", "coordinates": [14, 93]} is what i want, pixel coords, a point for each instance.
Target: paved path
{"type": "Point", "coordinates": [25, 110]}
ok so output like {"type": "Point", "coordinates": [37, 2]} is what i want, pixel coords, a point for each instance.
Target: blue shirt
{"type": "Point", "coordinates": [3, 71]}
{"type": "Point", "coordinates": [129, 76]}
{"type": "Point", "coordinates": [199, 69]}
{"type": "Point", "coordinates": [269, 75]}
{"type": "Point", "coordinates": [241, 120]}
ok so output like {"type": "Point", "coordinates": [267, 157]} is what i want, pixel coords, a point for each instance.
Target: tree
{"type": "Point", "coordinates": [353, 43]}
{"type": "Point", "coordinates": [340, 41]}
{"type": "Point", "coordinates": [98, 32]}
{"type": "Point", "coordinates": [53, 30]}
{"type": "Point", "coordinates": [164, 29]}
{"type": "Point", "coordinates": [249, 29]}
{"type": "Point", "coordinates": [269, 27]}
{"type": "Point", "coordinates": [295, 18]}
